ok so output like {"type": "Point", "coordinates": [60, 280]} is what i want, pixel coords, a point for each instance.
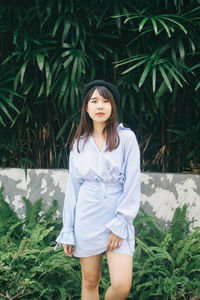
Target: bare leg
{"type": "Point", "coordinates": [91, 274]}
{"type": "Point", "coordinates": [120, 268]}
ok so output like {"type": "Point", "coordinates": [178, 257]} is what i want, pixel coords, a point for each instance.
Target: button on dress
{"type": "Point", "coordinates": [102, 196]}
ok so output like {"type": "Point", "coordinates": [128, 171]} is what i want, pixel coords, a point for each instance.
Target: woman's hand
{"type": "Point", "coordinates": [114, 241]}
{"type": "Point", "coordinates": [68, 249]}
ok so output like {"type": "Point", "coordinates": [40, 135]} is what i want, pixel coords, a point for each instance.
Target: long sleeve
{"type": "Point", "coordinates": [66, 235]}
{"type": "Point", "coordinates": [129, 202]}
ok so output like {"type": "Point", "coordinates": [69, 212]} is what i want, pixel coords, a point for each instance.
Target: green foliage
{"type": "Point", "coordinates": [168, 267]}
{"type": "Point", "coordinates": [166, 261]}
{"type": "Point", "coordinates": [8, 217]}
{"type": "Point", "coordinates": [187, 134]}
{"type": "Point", "coordinates": [29, 266]}
{"type": "Point", "coordinates": [180, 225]}
{"type": "Point", "coordinates": [51, 48]}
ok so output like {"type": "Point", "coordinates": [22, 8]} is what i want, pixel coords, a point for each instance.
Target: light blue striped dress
{"type": "Point", "coordinates": [103, 195]}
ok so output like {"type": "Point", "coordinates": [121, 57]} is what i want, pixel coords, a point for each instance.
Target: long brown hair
{"type": "Point", "coordinates": [85, 127]}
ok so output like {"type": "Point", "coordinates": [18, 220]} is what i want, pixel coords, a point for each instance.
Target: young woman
{"type": "Point", "coordinates": [103, 194]}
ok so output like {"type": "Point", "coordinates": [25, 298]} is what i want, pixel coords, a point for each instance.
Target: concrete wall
{"type": "Point", "coordinates": [161, 193]}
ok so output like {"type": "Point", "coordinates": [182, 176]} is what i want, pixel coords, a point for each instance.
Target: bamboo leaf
{"type": "Point", "coordinates": [165, 77]}
{"type": "Point", "coordinates": [56, 25]}
{"type": "Point", "coordinates": [2, 107]}
{"type": "Point", "coordinates": [67, 45]}
{"type": "Point", "coordinates": [181, 49]}
{"type": "Point", "coordinates": [145, 73]}
{"type": "Point", "coordinates": [10, 91]}
{"type": "Point", "coordinates": [155, 27]}
{"type": "Point", "coordinates": [165, 27]}
{"type": "Point", "coordinates": [66, 28]}
{"type": "Point", "coordinates": [41, 90]}
{"type": "Point", "coordinates": [173, 74]}
{"type": "Point", "coordinates": [100, 18]}
{"type": "Point", "coordinates": [74, 69]}
{"type": "Point", "coordinates": [130, 60]}
{"type": "Point", "coordinates": [68, 61]}
{"type": "Point", "coordinates": [174, 56]}
{"type": "Point", "coordinates": [63, 128]}
{"type": "Point", "coordinates": [66, 53]}
{"type": "Point", "coordinates": [197, 87]}
{"type": "Point", "coordinates": [175, 22]}
{"type": "Point", "coordinates": [2, 82]}
{"type": "Point", "coordinates": [15, 34]}
{"type": "Point", "coordinates": [23, 69]}
{"type": "Point", "coordinates": [128, 19]}
{"type": "Point", "coordinates": [48, 84]}
{"type": "Point", "coordinates": [47, 69]}
{"type": "Point", "coordinates": [142, 23]}
{"type": "Point", "coordinates": [49, 6]}
{"type": "Point", "coordinates": [135, 66]}
{"type": "Point", "coordinates": [40, 61]}
{"type": "Point", "coordinates": [177, 71]}
{"type": "Point", "coordinates": [162, 89]}
{"type": "Point", "coordinates": [27, 89]}
{"type": "Point", "coordinates": [2, 121]}
{"type": "Point", "coordinates": [59, 6]}
{"type": "Point", "coordinates": [25, 41]}
{"type": "Point", "coordinates": [154, 79]}
{"type": "Point", "coordinates": [194, 67]}
{"type": "Point", "coordinates": [48, 77]}
{"type": "Point", "coordinates": [9, 102]}
{"type": "Point", "coordinates": [192, 44]}
{"type": "Point", "coordinates": [63, 87]}
{"type": "Point", "coordinates": [191, 154]}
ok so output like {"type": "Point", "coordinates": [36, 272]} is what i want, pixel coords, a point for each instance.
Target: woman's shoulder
{"type": "Point", "coordinates": [78, 144]}
{"type": "Point", "coordinates": [125, 132]}
{"type": "Point", "coordinates": [128, 138]}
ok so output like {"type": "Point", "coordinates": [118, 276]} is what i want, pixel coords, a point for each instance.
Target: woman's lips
{"type": "Point", "coordinates": [100, 114]}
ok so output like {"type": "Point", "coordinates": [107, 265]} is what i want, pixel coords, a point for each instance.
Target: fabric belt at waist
{"type": "Point", "coordinates": [103, 186]}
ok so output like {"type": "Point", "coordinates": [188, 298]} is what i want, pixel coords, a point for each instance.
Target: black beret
{"type": "Point", "coordinates": [111, 87]}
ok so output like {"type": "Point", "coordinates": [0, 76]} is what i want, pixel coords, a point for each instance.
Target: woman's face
{"type": "Point", "coordinates": [99, 108]}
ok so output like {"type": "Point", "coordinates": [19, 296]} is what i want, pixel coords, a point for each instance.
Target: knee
{"type": "Point", "coordinates": [91, 282]}
{"type": "Point", "coordinates": [121, 288]}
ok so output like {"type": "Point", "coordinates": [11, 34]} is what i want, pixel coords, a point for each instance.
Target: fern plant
{"type": "Point", "coordinates": [7, 217]}
{"type": "Point", "coordinates": [27, 259]}
{"type": "Point", "coordinates": [166, 261]}
{"type": "Point", "coordinates": [167, 267]}
{"type": "Point", "coordinates": [25, 269]}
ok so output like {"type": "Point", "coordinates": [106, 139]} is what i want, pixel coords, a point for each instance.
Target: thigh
{"type": "Point", "coordinates": [91, 267]}
{"type": "Point", "coordinates": [120, 268]}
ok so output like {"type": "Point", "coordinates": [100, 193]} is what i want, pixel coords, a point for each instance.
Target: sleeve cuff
{"type": "Point", "coordinates": [121, 227]}
{"type": "Point", "coordinates": [65, 237]}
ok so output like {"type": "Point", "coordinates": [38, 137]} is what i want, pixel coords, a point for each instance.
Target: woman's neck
{"type": "Point", "coordinates": [98, 129]}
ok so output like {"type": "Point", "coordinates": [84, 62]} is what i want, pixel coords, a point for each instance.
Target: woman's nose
{"type": "Point", "coordinates": [100, 104]}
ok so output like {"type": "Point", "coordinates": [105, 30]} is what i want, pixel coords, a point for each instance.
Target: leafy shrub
{"type": "Point", "coordinates": [29, 266]}
{"type": "Point", "coordinates": [166, 261]}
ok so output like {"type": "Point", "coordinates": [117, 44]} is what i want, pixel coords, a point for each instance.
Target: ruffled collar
{"type": "Point", "coordinates": [121, 126]}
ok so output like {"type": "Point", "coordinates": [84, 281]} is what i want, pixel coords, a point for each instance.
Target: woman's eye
{"type": "Point", "coordinates": [106, 100]}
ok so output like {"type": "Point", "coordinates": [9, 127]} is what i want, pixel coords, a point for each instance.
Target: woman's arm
{"type": "Point", "coordinates": [129, 201]}
{"type": "Point", "coordinates": [66, 235]}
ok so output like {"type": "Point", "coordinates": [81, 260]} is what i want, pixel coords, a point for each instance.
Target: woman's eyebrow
{"type": "Point", "coordinates": [98, 98]}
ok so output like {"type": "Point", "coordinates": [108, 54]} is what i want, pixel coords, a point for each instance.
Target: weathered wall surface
{"type": "Point", "coordinates": [161, 193]}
